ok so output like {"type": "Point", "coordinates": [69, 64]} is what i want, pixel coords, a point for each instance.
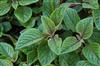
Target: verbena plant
{"type": "Point", "coordinates": [49, 33]}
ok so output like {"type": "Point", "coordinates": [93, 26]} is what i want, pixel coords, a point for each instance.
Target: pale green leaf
{"type": "Point", "coordinates": [4, 8]}
{"type": "Point", "coordinates": [23, 14]}
{"type": "Point", "coordinates": [85, 27]}
{"type": "Point", "coordinates": [5, 62]}
{"type": "Point", "coordinates": [28, 37]}
{"type": "Point", "coordinates": [27, 2]}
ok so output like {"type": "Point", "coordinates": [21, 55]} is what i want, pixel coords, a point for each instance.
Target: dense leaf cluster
{"type": "Point", "coordinates": [49, 32]}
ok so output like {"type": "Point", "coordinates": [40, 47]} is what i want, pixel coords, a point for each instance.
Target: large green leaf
{"type": "Point", "coordinates": [23, 14]}
{"type": "Point", "coordinates": [92, 53]}
{"type": "Point", "coordinates": [48, 24]}
{"type": "Point", "coordinates": [84, 63]}
{"type": "Point", "coordinates": [28, 37]}
{"type": "Point", "coordinates": [4, 8]}
{"type": "Point", "coordinates": [5, 62]}
{"type": "Point", "coordinates": [6, 50]}
{"type": "Point", "coordinates": [58, 14]}
{"type": "Point", "coordinates": [93, 4]}
{"type": "Point", "coordinates": [69, 44]}
{"type": "Point", "coordinates": [71, 18]}
{"type": "Point", "coordinates": [45, 55]}
{"type": "Point", "coordinates": [69, 59]}
{"type": "Point", "coordinates": [85, 27]}
{"type": "Point", "coordinates": [49, 6]}
{"type": "Point", "coordinates": [27, 2]}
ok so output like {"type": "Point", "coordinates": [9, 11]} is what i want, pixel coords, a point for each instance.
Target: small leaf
{"type": "Point", "coordinates": [45, 55]}
{"type": "Point", "coordinates": [29, 37]}
{"type": "Point", "coordinates": [23, 14]}
{"type": "Point", "coordinates": [3, 1]}
{"type": "Point", "coordinates": [4, 8]}
{"type": "Point", "coordinates": [48, 24]}
{"type": "Point", "coordinates": [85, 27]}
{"type": "Point", "coordinates": [69, 44]}
{"type": "Point", "coordinates": [71, 18]}
{"type": "Point", "coordinates": [92, 53]}
{"type": "Point", "coordinates": [5, 62]}
{"type": "Point", "coordinates": [27, 2]}
{"type": "Point", "coordinates": [15, 4]}
{"type": "Point", "coordinates": [23, 64]}
{"type": "Point", "coordinates": [6, 50]}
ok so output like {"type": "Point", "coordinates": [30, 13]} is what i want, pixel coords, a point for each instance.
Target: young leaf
{"type": "Point", "coordinates": [93, 4]}
{"type": "Point", "coordinates": [58, 14]}
{"type": "Point", "coordinates": [15, 4]}
{"type": "Point", "coordinates": [45, 55]}
{"type": "Point", "coordinates": [23, 14]}
{"type": "Point", "coordinates": [23, 64]}
{"type": "Point", "coordinates": [49, 6]}
{"type": "Point", "coordinates": [92, 53]}
{"type": "Point", "coordinates": [4, 8]}
{"type": "Point", "coordinates": [6, 50]}
{"type": "Point", "coordinates": [27, 2]}
{"type": "Point", "coordinates": [85, 27]}
{"type": "Point", "coordinates": [69, 44]}
{"type": "Point", "coordinates": [29, 37]}
{"type": "Point", "coordinates": [5, 62]}
{"type": "Point", "coordinates": [48, 24]}
{"type": "Point", "coordinates": [71, 18]}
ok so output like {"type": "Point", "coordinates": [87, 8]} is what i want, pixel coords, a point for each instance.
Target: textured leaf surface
{"type": "Point", "coordinates": [27, 2]}
{"type": "Point", "coordinates": [92, 53]}
{"type": "Point", "coordinates": [5, 63]}
{"type": "Point", "coordinates": [85, 27]}
{"type": "Point", "coordinates": [48, 24]}
{"type": "Point", "coordinates": [71, 18]}
{"type": "Point", "coordinates": [45, 55]}
{"type": "Point", "coordinates": [6, 50]}
{"type": "Point", "coordinates": [23, 14]}
{"type": "Point", "coordinates": [49, 6]}
{"type": "Point", "coordinates": [4, 8]}
{"type": "Point", "coordinates": [29, 37]}
{"type": "Point", "coordinates": [69, 44]}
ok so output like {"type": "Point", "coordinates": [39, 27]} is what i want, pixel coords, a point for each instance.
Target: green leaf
{"type": "Point", "coordinates": [84, 63]}
{"type": "Point", "coordinates": [93, 4]}
{"type": "Point", "coordinates": [48, 24]}
{"type": "Point", "coordinates": [15, 4]}
{"type": "Point", "coordinates": [96, 16]}
{"type": "Point", "coordinates": [6, 50]}
{"type": "Point", "coordinates": [69, 44]}
{"type": "Point", "coordinates": [31, 57]}
{"type": "Point", "coordinates": [58, 14]}
{"type": "Point", "coordinates": [85, 27]}
{"type": "Point", "coordinates": [92, 53]}
{"type": "Point", "coordinates": [71, 18]}
{"type": "Point", "coordinates": [23, 14]}
{"type": "Point", "coordinates": [28, 37]}
{"type": "Point", "coordinates": [49, 6]}
{"type": "Point", "coordinates": [4, 8]}
{"type": "Point", "coordinates": [5, 62]}
{"type": "Point", "coordinates": [45, 55]}
{"type": "Point", "coordinates": [69, 59]}
{"type": "Point", "coordinates": [27, 2]}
